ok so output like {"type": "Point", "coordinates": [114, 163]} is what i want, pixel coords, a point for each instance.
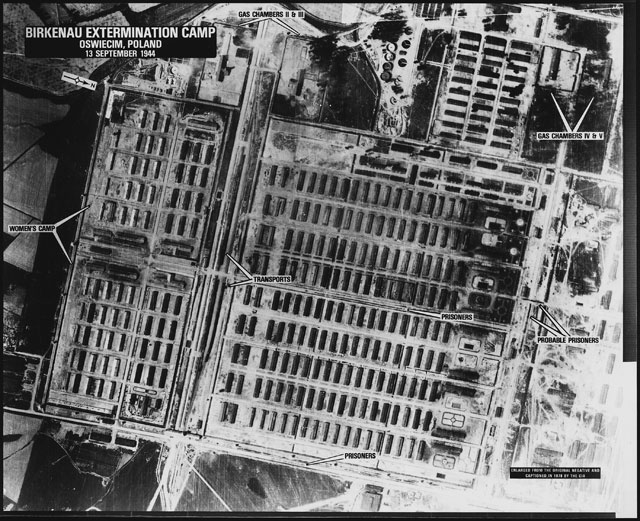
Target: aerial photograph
{"type": "Point", "coordinates": [317, 257]}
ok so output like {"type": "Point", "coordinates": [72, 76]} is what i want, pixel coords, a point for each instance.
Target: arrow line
{"type": "Point", "coordinates": [55, 234]}
{"type": "Point", "coordinates": [327, 460]}
{"type": "Point", "coordinates": [59, 223]}
{"type": "Point", "coordinates": [547, 327]}
{"type": "Point", "coordinates": [553, 320]}
{"type": "Point", "coordinates": [252, 21]}
{"type": "Point", "coordinates": [427, 313]}
{"type": "Point", "coordinates": [583, 115]}
{"type": "Point", "coordinates": [249, 279]}
{"type": "Point", "coordinates": [240, 267]}
{"type": "Point", "coordinates": [241, 283]}
{"type": "Point", "coordinates": [55, 228]}
{"type": "Point", "coordinates": [71, 216]}
{"type": "Point", "coordinates": [281, 23]}
{"type": "Point", "coordinates": [564, 120]}
{"type": "Point", "coordinates": [276, 20]}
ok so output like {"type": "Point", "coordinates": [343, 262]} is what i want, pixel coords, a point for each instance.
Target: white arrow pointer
{"type": "Point", "coordinates": [276, 20]}
{"type": "Point", "coordinates": [249, 278]}
{"type": "Point", "coordinates": [564, 120]}
{"type": "Point", "coordinates": [60, 223]}
{"type": "Point", "coordinates": [51, 228]}
{"type": "Point", "coordinates": [546, 326]}
{"type": "Point", "coordinates": [556, 324]}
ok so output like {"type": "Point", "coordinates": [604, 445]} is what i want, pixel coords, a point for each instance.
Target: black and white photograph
{"type": "Point", "coordinates": [330, 258]}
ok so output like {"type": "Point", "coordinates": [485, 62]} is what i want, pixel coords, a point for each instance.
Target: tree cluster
{"type": "Point", "coordinates": [390, 28]}
{"type": "Point", "coordinates": [329, 56]}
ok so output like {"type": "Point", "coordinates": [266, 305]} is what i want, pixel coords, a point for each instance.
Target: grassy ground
{"type": "Point", "coordinates": [18, 431]}
{"type": "Point", "coordinates": [352, 95]}
{"type": "Point", "coordinates": [423, 95]}
{"type": "Point", "coordinates": [543, 117]}
{"type": "Point", "coordinates": [248, 485]}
